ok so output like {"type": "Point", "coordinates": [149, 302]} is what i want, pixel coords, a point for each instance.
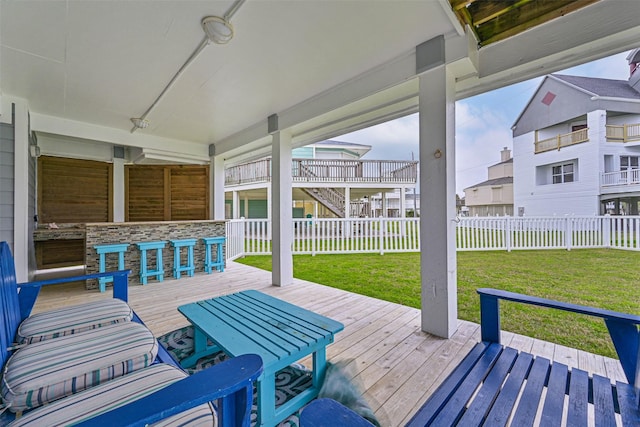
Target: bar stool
{"type": "Point", "coordinates": [159, 271]}
{"type": "Point", "coordinates": [178, 268]}
{"type": "Point", "coordinates": [210, 264]}
{"type": "Point", "coordinates": [103, 250]}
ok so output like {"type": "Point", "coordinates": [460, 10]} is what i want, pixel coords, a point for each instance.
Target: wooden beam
{"type": "Point", "coordinates": [520, 19]}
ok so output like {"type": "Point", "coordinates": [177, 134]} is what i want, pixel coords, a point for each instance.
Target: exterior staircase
{"type": "Point", "coordinates": [331, 198]}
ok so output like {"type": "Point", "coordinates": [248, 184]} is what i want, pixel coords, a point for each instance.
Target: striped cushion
{"type": "Point", "coordinates": [42, 372]}
{"type": "Point", "coordinates": [74, 319]}
{"type": "Point", "coordinates": [116, 393]}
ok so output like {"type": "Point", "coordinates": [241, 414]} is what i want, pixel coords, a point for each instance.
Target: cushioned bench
{"type": "Point", "coordinates": [496, 385]}
{"type": "Point", "coordinates": [113, 372]}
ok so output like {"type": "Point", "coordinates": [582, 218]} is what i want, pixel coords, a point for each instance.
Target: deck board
{"type": "Point", "coordinates": [396, 364]}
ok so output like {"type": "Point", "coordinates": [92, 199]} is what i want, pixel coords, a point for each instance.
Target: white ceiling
{"type": "Point", "coordinates": [99, 63]}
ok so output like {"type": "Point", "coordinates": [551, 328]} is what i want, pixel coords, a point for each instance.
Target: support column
{"type": "Point", "coordinates": [246, 206]}
{"type": "Point", "coordinates": [384, 210]}
{"type": "Point", "coordinates": [437, 185]}
{"type": "Point", "coordinates": [403, 196]}
{"type": "Point", "coordinates": [347, 211]}
{"type": "Point", "coordinates": [216, 183]}
{"type": "Point", "coordinates": [282, 208]}
{"type": "Point", "coordinates": [235, 203]}
{"type": "Point", "coordinates": [118, 189]}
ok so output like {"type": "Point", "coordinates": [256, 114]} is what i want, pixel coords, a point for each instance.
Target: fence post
{"type": "Point", "coordinates": [313, 236]}
{"type": "Point", "coordinates": [381, 235]}
{"type": "Point", "coordinates": [507, 233]}
{"type": "Point", "coordinates": [568, 236]}
{"type": "Point", "coordinates": [606, 231]}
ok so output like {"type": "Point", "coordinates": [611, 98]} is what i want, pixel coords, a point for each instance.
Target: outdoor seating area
{"type": "Point", "coordinates": [499, 385]}
{"type": "Point", "coordinates": [397, 366]}
{"type": "Point", "coordinates": [104, 368]}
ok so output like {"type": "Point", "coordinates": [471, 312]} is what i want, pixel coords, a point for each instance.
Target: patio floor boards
{"type": "Point", "coordinates": [396, 364]}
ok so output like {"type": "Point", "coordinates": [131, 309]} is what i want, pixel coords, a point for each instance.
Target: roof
{"type": "Point", "coordinates": [509, 160]}
{"type": "Point", "coordinates": [601, 87]}
{"type": "Point", "coordinates": [342, 144]}
{"type": "Point", "coordinates": [497, 181]}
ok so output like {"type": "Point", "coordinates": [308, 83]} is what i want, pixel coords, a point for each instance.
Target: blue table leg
{"type": "Point", "coordinates": [160, 264]}
{"type": "Point", "coordinates": [319, 366]}
{"type": "Point", "coordinates": [266, 399]}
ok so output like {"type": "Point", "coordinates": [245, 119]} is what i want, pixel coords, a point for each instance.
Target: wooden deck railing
{"type": "Point", "coordinates": [623, 133]}
{"type": "Point", "coordinates": [563, 140]}
{"type": "Point", "coordinates": [323, 171]}
{"type": "Point", "coordinates": [258, 171]}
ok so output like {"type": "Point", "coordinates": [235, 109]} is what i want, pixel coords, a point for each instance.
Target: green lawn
{"type": "Point", "coordinates": [603, 278]}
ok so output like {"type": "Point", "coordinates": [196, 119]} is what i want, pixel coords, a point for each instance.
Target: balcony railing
{"type": "Point", "coordinates": [315, 170]}
{"type": "Point", "coordinates": [623, 133]}
{"type": "Point", "coordinates": [564, 140]}
{"type": "Point", "coordinates": [626, 177]}
{"type": "Point", "coordinates": [258, 171]}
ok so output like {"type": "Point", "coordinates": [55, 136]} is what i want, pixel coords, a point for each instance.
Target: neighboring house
{"type": "Point", "coordinates": [576, 146]}
{"type": "Point", "coordinates": [495, 195]}
{"type": "Point", "coordinates": [330, 179]}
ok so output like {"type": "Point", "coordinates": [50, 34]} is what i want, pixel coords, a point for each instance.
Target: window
{"type": "Point", "coordinates": [562, 173]}
{"type": "Point", "coordinates": [628, 162]}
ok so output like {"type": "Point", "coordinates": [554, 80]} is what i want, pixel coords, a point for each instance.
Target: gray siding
{"type": "Point", "coordinates": [32, 209]}
{"type": "Point", "coordinates": [7, 162]}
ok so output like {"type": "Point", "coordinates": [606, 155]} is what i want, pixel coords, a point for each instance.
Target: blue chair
{"type": "Point", "coordinates": [178, 268]}
{"type": "Point", "coordinates": [103, 250]}
{"type": "Point", "coordinates": [145, 273]}
{"type": "Point", "coordinates": [210, 264]}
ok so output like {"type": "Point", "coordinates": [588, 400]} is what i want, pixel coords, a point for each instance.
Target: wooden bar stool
{"type": "Point", "coordinates": [178, 268]}
{"type": "Point", "coordinates": [103, 250]}
{"type": "Point", "coordinates": [145, 273]}
{"type": "Point", "coordinates": [210, 264]}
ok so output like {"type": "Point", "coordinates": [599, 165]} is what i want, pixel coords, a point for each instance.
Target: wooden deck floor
{"type": "Point", "coordinates": [396, 364]}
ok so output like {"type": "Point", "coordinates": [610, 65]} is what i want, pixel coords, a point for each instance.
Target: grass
{"type": "Point", "coordinates": [603, 278]}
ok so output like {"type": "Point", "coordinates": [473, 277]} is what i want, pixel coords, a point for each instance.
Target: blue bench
{"type": "Point", "coordinates": [494, 383]}
{"type": "Point", "coordinates": [229, 384]}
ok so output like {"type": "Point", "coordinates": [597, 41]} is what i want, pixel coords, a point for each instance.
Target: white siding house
{"type": "Point", "coordinates": [495, 195]}
{"type": "Point", "coordinates": [577, 147]}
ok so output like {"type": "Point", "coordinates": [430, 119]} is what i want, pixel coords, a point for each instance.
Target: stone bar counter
{"type": "Point", "coordinates": [136, 232]}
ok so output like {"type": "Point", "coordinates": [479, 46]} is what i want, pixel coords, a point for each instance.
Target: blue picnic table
{"type": "Point", "coordinates": [280, 332]}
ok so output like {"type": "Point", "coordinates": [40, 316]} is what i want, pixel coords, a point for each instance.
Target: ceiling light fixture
{"type": "Point", "coordinates": [139, 123]}
{"type": "Point", "coordinates": [218, 30]}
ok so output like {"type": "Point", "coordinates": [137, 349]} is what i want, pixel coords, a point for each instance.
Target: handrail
{"type": "Point", "coordinates": [623, 328]}
{"type": "Point", "coordinates": [623, 133]}
{"type": "Point", "coordinates": [325, 170]}
{"type": "Point", "coordinates": [561, 140]}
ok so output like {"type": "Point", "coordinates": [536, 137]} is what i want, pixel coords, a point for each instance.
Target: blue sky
{"type": "Point", "coordinates": [483, 124]}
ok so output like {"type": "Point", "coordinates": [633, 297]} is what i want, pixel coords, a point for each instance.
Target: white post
{"type": "Point", "coordinates": [384, 205]}
{"type": "Point", "coordinates": [235, 203]}
{"type": "Point", "coordinates": [246, 206]}
{"type": "Point", "coordinates": [403, 196]}
{"type": "Point", "coordinates": [282, 214]}
{"type": "Point", "coordinates": [269, 210]}
{"type": "Point", "coordinates": [437, 201]}
{"type": "Point", "coordinates": [347, 212]}
{"type": "Point", "coordinates": [118, 190]}
{"type": "Point", "coordinates": [21, 214]}
{"type": "Point", "coordinates": [216, 181]}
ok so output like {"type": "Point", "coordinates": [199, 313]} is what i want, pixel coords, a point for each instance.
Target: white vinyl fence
{"type": "Point", "coordinates": [385, 235]}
